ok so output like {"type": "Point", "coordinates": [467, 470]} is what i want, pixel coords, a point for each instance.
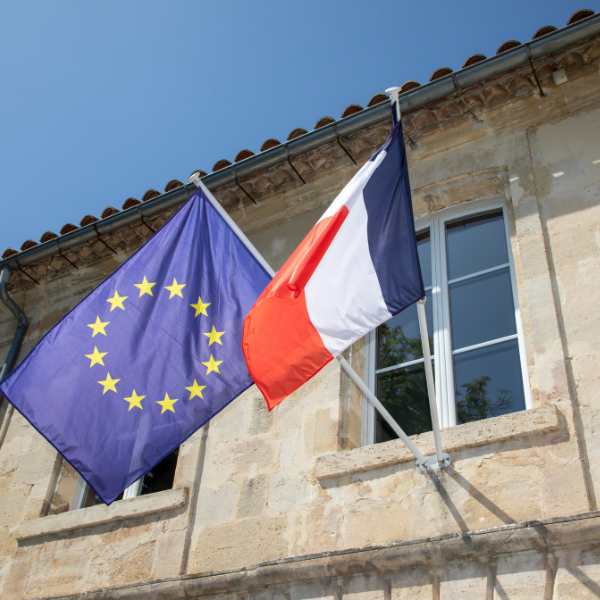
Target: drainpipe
{"type": "Point", "coordinates": [11, 357]}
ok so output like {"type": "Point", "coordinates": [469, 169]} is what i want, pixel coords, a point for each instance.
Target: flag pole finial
{"type": "Point", "coordinates": [394, 93]}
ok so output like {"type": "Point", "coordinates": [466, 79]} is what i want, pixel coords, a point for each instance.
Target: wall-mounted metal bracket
{"type": "Point", "coordinates": [103, 242]}
{"type": "Point", "coordinates": [433, 464]}
{"type": "Point", "coordinates": [237, 182]}
{"type": "Point", "coordinates": [26, 273]}
{"type": "Point", "coordinates": [293, 167]}
{"type": "Point", "coordinates": [63, 256]}
{"type": "Point", "coordinates": [458, 93]}
{"type": "Point", "coordinates": [143, 223]}
{"type": "Point", "coordinates": [528, 50]}
{"type": "Point", "coordinates": [337, 135]}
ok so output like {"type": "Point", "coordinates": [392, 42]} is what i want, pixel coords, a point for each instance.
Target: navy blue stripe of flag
{"type": "Point", "coordinates": [391, 228]}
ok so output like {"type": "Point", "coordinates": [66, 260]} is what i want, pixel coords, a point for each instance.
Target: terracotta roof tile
{"type": "Point", "coordinates": [28, 244]}
{"type": "Point", "coordinates": [377, 99]}
{"type": "Point", "coordinates": [441, 72]}
{"type": "Point", "coordinates": [545, 30]}
{"type": "Point", "coordinates": [108, 212]}
{"type": "Point", "coordinates": [507, 46]}
{"type": "Point", "coordinates": [67, 228]}
{"type": "Point", "coordinates": [243, 155]}
{"type": "Point", "coordinates": [47, 236]}
{"type": "Point", "coordinates": [270, 143]}
{"type": "Point", "coordinates": [296, 133]}
{"type": "Point", "coordinates": [9, 252]}
{"type": "Point", "coordinates": [351, 110]}
{"type": "Point", "coordinates": [411, 84]}
{"type": "Point", "coordinates": [473, 59]}
{"type": "Point", "coordinates": [173, 185]}
{"type": "Point", "coordinates": [130, 202]}
{"type": "Point", "coordinates": [580, 14]}
{"type": "Point", "coordinates": [149, 194]}
{"type": "Point", "coordinates": [324, 121]}
{"type": "Point", "coordinates": [88, 220]}
{"type": "Point", "coordinates": [221, 164]}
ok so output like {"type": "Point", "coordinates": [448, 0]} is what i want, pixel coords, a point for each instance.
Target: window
{"type": "Point", "coordinates": [473, 323]}
{"type": "Point", "coordinates": [160, 478]}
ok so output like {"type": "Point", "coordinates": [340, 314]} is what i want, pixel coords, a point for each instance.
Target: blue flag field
{"type": "Point", "coordinates": [149, 356]}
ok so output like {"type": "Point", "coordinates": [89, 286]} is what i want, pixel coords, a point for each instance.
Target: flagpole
{"type": "Point", "coordinates": [442, 461]}
{"type": "Point", "coordinates": [421, 460]}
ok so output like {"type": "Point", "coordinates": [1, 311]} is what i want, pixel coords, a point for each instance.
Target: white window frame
{"type": "Point", "coordinates": [83, 489]}
{"type": "Point", "coordinates": [445, 400]}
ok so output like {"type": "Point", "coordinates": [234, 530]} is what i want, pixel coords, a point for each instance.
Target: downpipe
{"type": "Point", "coordinates": [6, 409]}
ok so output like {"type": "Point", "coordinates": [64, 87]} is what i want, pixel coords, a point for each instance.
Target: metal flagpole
{"type": "Point", "coordinates": [421, 462]}
{"type": "Point", "coordinates": [442, 459]}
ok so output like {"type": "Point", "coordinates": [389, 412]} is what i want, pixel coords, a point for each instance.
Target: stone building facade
{"type": "Point", "coordinates": [298, 503]}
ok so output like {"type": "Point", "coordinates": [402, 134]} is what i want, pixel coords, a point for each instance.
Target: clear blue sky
{"type": "Point", "coordinates": [103, 100]}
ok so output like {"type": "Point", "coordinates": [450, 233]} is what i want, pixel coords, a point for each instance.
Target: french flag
{"type": "Point", "coordinates": [357, 267]}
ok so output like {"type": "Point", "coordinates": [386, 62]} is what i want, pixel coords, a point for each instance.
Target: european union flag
{"type": "Point", "coordinates": [149, 356]}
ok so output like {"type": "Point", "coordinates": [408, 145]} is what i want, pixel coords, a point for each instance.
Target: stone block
{"type": "Point", "coordinates": [58, 573]}
{"type": "Point", "coordinates": [255, 455]}
{"type": "Point", "coordinates": [168, 558]}
{"type": "Point", "coordinates": [253, 499]}
{"type": "Point", "coordinates": [17, 578]}
{"type": "Point", "coordinates": [111, 565]}
{"type": "Point", "coordinates": [288, 491]}
{"type": "Point", "coordinates": [217, 506]}
{"type": "Point", "coordinates": [241, 543]}
{"type": "Point", "coordinates": [262, 418]}
{"type": "Point", "coordinates": [524, 576]}
{"type": "Point", "coordinates": [289, 449]}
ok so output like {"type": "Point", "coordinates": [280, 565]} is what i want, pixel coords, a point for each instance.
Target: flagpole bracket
{"type": "Point", "coordinates": [433, 464]}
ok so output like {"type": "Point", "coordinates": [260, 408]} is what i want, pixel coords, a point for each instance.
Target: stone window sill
{"type": "Point", "coordinates": [102, 514]}
{"type": "Point", "coordinates": [536, 421]}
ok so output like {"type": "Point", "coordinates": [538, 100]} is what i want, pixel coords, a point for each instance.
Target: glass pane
{"type": "Point", "coordinates": [488, 382]}
{"type": "Point", "coordinates": [399, 339]}
{"type": "Point", "coordinates": [475, 244]}
{"type": "Point", "coordinates": [482, 309]}
{"type": "Point", "coordinates": [424, 252]}
{"type": "Point", "coordinates": [404, 394]}
{"type": "Point", "coordinates": [162, 476]}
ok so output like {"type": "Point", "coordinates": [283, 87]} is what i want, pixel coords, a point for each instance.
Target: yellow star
{"type": "Point", "coordinates": [117, 301]}
{"type": "Point", "coordinates": [167, 404]}
{"type": "Point", "coordinates": [134, 400]}
{"type": "Point", "coordinates": [98, 327]}
{"type": "Point", "coordinates": [214, 336]}
{"type": "Point", "coordinates": [175, 289]}
{"type": "Point", "coordinates": [96, 357]}
{"type": "Point", "coordinates": [212, 365]}
{"type": "Point", "coordinates": [145, 287]}
{"type": "Point", "coordinates": [109, 384]}
{"type": "Point", "coordinates": [195, 390]}
{"type": "Point", "coordinates": [200, 307]}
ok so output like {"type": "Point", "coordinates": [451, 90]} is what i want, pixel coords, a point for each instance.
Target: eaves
{"type": "Point", "coordinates": [411, 100]}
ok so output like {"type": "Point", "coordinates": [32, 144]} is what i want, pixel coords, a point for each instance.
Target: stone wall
{"type": "Point", "coordinates": [289, 503]}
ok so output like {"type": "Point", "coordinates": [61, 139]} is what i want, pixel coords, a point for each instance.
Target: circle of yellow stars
{"type": "Point", "coordinates": [109, 384]}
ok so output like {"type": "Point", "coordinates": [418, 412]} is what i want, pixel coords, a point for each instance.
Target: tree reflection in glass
{"type": "Point", "coordinates": [401, 384]}
{"type": "Point", "coordinates": [475, 403]}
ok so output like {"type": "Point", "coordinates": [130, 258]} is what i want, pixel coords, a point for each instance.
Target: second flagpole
{"type": "Point", "coordinates": [442, 460]}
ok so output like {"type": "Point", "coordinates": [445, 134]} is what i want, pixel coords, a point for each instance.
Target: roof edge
{"type": "Point", "coordinates": [409, 101]}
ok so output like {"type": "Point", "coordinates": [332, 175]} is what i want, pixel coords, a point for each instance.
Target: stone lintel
{"type": "Point", "coordinates": [533, 536]}
{"type": "Point", "coordinates": [132, 508]}
{"type": "Point", "coordinates": [535, 421]}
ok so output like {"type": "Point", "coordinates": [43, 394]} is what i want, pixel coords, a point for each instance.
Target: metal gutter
{"type": "Point", "coordinates": [409, 101]}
